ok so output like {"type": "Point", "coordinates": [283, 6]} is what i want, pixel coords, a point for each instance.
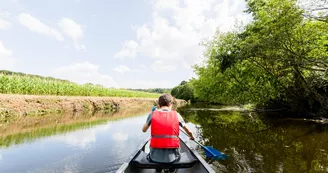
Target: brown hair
{"type": "Point", "coordinates": [165, 100]}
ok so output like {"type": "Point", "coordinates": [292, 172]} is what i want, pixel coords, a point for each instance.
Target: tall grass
{"type": "Point", "coordinates": [18, 84]}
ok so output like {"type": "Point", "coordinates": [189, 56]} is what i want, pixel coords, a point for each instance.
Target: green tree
{"type": "Point", "coordinates": [279, 58]}
{"type": "Point", "coordinates": [184, 91]}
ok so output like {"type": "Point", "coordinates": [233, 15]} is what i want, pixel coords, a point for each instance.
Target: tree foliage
{"type": "Point", "coordinates": [153, 90]}
{"type": "Point", "coordinates": [184, 91]}
{"type": "Point", "coordinates": [280, 58]}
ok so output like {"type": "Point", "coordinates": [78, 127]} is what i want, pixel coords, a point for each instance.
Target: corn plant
{"type": "Point", "coordinates": [32, 85]}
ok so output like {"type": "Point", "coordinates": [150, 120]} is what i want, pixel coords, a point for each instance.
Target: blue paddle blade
{"type": "Point", "coordinates": [217, 154]}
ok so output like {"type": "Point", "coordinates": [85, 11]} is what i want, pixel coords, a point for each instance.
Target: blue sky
{"type": "Point", "coordinates": [116, 43]}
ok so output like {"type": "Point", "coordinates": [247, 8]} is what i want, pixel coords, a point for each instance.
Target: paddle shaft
{"type": "Point", "coordinates": [200, 144]}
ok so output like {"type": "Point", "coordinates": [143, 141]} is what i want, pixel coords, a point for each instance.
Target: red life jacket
{"type": "Point", "coordinates": [165, 129]}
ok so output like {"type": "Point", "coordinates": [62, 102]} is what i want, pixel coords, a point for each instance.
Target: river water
{"type": "Point", "coordinates": [101, 143]}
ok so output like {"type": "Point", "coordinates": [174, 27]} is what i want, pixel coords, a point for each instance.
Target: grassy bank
{"type": "Point", "coordinates": [24, 95]}
{"type": "Point", "coordinates": [15, 106]}
{"type": "Point", "coordinates": [37, 85]}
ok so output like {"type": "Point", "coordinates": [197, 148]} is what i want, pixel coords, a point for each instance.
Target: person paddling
{"type": "Point", "coordinates": [165, 122]}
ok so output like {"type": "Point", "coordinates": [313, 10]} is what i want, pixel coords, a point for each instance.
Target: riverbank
{"type": "Point", "coordinates": [15, 106]}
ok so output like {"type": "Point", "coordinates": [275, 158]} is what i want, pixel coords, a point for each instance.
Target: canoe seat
{"type": "Point", "coordinates": [186, 161]}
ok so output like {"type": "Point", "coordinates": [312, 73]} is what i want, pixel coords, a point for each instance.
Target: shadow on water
{"type": "Point", "coordinates": [255, 143]}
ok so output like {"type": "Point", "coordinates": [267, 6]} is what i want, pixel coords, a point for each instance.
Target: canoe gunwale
{"type": "Point", "coordinates": [199, 157]}
{"type": "Point", "coordinates": [128, 160]}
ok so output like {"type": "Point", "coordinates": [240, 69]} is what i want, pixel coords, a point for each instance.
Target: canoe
{"type": "Point", "coordinates": [190, 161]}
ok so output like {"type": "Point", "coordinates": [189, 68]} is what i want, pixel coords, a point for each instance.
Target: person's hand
{"type": "Point", "coordinates": [191, 137]}
{"type": "Point", "coordinates": [154, 108]}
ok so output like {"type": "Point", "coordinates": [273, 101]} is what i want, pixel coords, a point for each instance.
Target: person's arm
{"type": "Point", "coordinates": [147, 124]}
{"type": "Point", "coordinates": [185, 127]}
{"type": "Point", "coordinates": [145, 127]}
{"type": "Point", "coordinates": [188, 131]}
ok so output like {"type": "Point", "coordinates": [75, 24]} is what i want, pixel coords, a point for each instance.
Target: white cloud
{"type": "Point", "coordinates": [6, 60]}
{"type": "Point", "coordinates": [5, 14]}
{"type": "Point", "coordinates": [72, 30]}
{"type": "Point", "coordinates": [177, 28]}
{"type": "Point", "coordinates": [142, 66]}
{"type": "Point", "coordinates": [163, 66]}
{"type": "Point", "coordinates": [35, 25]}
{"type": "Point", "coordinates": [84, 73]}
{"type": "Point", "coordinates": [166, 4]}
{"type": "Point", "coordinates": [0, 156]}
{"type": "Point", "coordinates": [4, 51]}
{"type": "Point", "coordinates": [129, 50]}
{"type": "Point", "coordinates": [120, 136]}
{"type": "Point", "coordinates": [4, 24]}
{"type": "Point", "coordinates": [121, 69]}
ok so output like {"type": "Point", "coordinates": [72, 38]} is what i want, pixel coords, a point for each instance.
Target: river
{"type": "Point", "coordinates": [101, 143]}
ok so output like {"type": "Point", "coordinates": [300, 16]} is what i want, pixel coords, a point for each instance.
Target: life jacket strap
{"type": "Point", "coordinates": [164, 136]}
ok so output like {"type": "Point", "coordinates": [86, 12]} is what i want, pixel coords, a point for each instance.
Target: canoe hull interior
{"type": "Point", "coordinates": [200, 166]}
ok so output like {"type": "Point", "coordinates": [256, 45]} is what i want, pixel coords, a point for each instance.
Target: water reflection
{"type": "Point", "coordinates": [28, 129]}
{"type": "Point", "coordinates": [119, 136]}
{"type": "Point", "coordinates": [101, 143]}
{"type": "Point", "coordinates": [98, 145]}
{"type": "Point", "coordinates": [257, 144]}
{"type": "Point", "coordinates": [81, 139]}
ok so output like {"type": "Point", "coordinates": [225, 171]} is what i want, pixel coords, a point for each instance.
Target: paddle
{"type": "Point", "coordinates": [210, 151]}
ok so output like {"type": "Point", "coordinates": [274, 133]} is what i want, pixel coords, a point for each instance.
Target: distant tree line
{"type": "Point", "coordinates": [153, 90]}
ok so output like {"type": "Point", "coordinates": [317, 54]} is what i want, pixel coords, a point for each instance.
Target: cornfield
{"type": "Point", "coordinates": [17, 84]}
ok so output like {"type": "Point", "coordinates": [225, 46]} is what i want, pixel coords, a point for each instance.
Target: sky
{"type": "Point", "coordinates": [114, 43]}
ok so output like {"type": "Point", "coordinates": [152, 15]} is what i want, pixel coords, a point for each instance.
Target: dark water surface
{"type": "Point", "coordinates": [260, 143]}
{"type": "Point", "coordinates": [102, 143]}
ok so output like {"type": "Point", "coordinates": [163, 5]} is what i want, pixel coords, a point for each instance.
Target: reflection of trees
{"type": "Point", "coordinates": [18, 138]}
{"type": "Point", "coordinates": [256, 145]}
{"type": "Point", "coordinates": [33, 128]}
